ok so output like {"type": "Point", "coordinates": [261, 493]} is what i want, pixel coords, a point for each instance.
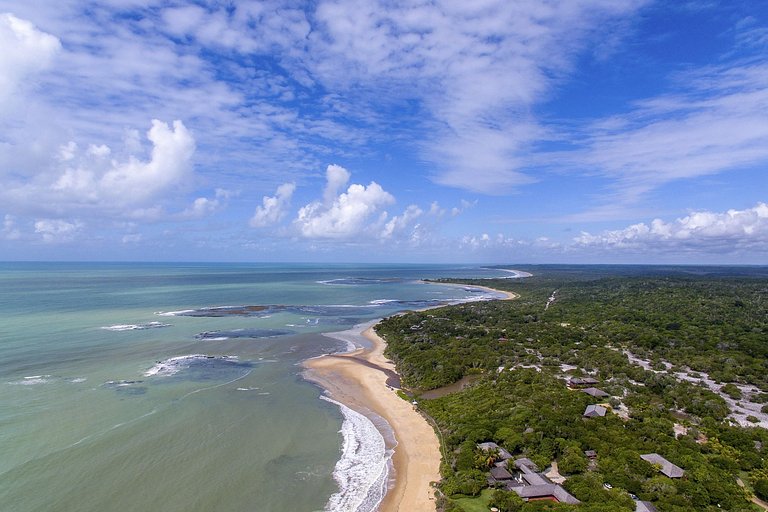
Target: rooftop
{"type": "Point", "coordinates": [528, 492]}
{"type": "Point", "coordinates": [667, 468]}
{"type": "Point", "coordinates": [593, 411]}
{"type": "Point", "coordinates": [526, 465]}
{"type": "Point", "coordinates": [644, 506]}
{"type": "Point", "coordinates": [500, 473]}
{"type": "Point", "coordinates": [503, 454]}
{"type": "Point", "coordinates": [595, 392]}
{"type": "Point", "coordinates": [581, 381]}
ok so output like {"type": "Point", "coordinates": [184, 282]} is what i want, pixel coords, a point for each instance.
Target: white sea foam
{"type": "Point", "coordinates": [379, 302]}
{"type": "Point", "coordinates": [31, 380]}
{"type": "Point", "coordinates": [362, 471]}
{"type": "Point", "coordinates": [174, 313]}
{"type": "Point", "coordinates": [353, 337]}
{"type": "Point", "coordinates": [516, 274]}
{"type": "Point", "coordinates": [174, 365]}
{"type": "Point", "coordinates": [136, 327]}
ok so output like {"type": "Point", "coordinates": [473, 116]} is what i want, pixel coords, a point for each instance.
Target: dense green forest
{"type": "Point", "coordinates": [586, 321]}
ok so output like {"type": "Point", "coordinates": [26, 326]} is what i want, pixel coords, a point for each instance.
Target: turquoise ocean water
{"type": "Point", "coordinates": [177, 387]}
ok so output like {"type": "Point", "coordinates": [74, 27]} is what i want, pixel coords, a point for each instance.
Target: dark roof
{"type": "Point", "coordinates": [581, 381]}
{"type": "Point", "coordinates": [500, 473]}
{"type": "Point", "coordinates": [595, 410]}
{"type": "Point", "coordinates": [541, 491]}
{"type": "Point", "coordinates": [595, 392]}
{"type": "Point", "coordinates": [536, 479]}
{"type": "Point", "coordinates": [667, 468]}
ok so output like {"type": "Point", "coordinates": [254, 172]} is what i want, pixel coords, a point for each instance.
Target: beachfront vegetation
{"type": "Point", "coordinates": [641, 336]}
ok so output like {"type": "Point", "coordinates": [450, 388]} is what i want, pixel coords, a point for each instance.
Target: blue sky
{"type": "Point", "coordinates": [337, 130]}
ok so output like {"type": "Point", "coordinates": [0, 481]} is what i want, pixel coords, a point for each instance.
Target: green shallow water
{"type": "Point", "coordinates": [83, 429]}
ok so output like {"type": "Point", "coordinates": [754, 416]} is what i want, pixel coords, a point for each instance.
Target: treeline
{"type": "Point", "coordinates": [718, 326]}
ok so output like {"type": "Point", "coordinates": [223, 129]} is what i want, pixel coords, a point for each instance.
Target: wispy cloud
{"type": "Point", "coordinates": [10, 231]}
{"type": "Point", "coordinates": [478, 69]}
{"type": "Point", "coordinates": [57, 230]}
{"type": "Point", "coordinates": [714, 123]}
{"type": "Point", "coordinates": [204, 206]}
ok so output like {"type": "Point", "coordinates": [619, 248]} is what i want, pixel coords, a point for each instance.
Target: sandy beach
{"type": "Point", "coordinates": [362, 380]}
{"type": "Point", "coordinates": [359, 381]}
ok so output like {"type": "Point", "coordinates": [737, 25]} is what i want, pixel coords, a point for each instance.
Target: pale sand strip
{"type": "Point", "coordinates": [507, 295]}
{"type": "Point", "coordinates": [359, 380]}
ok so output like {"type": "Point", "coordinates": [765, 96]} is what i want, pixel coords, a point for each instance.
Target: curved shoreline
{"type": "Point", "coordinates": [362, 380]}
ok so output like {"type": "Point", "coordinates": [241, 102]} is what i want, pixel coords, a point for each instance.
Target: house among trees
{"type": "Point", "coordinates": [533, 486]}
{"type": "Point", "coordinates": [490, 446]}
{"type": "Point", "coordinates": [598, 393]}
{"type": "Point", "coordinates": [499, 475]}
{"type": "Point", "coordinates": [594, 411]}
{"type": "Point", "coordinates": [580, 382]}
{"type": "Point", "coordinates": [665, 467]}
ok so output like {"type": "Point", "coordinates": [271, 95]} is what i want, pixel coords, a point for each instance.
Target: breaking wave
{"type": "Point", "coordinates": [136, 327]}
{"type": "Point", "coordinates": [174, 365]}
{"type": "Point", "coordinates": [362, 471]}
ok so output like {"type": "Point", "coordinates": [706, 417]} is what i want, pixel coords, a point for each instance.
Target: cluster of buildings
{"type": "Point", "coordinates": [522, 476]}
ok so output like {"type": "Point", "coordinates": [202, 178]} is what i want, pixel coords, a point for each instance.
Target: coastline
{"type": "Point", "coordinates": [364, 380]}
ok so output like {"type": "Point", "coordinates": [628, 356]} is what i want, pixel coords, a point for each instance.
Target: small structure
{"type": "Point", "coordinates": [599, 393]}
{"type": "Point", "coordinates": [644, 506]}
{"type": "Point", "coordinates": [594, 411]}
{"type": "Point", "coordinates": [552, 492]}
{"type": "Point", "coordinates": [500, 474]}
{"type": "Point", "coordinates": [579, 382]}
{"type": "Point", "coordinates": [590, 454]}
{"type": "Point", "coordinates": [489, 446]}
{"type": "Point", "coordinates": [666, 467]}
{"type": "Point", "coordinates": [531, 485]}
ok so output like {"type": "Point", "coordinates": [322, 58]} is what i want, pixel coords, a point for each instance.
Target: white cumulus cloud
{"type": "Point", "coordinates": [273, 208]}
{"type": "Point", "coordinates": [25, 51]}
{"type": "Point", "coordinates": [347, 214]}
{"type": "Point", "coordinates": [94, 180]}
{"type": "Point", "coordinates": [703, 231]}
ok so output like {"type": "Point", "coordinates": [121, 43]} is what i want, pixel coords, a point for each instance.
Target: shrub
{"type": "Point", "coordinates": [761, 489]}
